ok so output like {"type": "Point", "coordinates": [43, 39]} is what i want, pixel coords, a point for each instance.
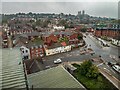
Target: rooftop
{"type": "Point", "coordinates": [56, 77]}
{"type": "Point", "coordinates": [12, 71]}
{"type": "Point", "coordinates": [56, 45]}
{"type": "Point", "coordinates": [63, 32]}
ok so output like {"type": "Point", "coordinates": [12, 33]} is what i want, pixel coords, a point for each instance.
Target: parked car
{"type": "Point", "coordinates": [82, 52]}
{"type": "Point", "coordinates": [92, 52]}
{"type": "Point", "coordinates": [116, 68]}
{"type": "Point", "coordinates": [111, 63]}
{"type": "Point", "coordinates": [47, 67]}
{"type": "Point", "coordinates": [57, 61]}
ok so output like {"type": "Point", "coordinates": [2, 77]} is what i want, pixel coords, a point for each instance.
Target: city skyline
{"type": "Point", "coordinates": [102, 9]}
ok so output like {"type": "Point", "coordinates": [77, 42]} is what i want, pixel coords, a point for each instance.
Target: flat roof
{"type": "Point", "coordinates": [12, 72]}
{"type": "Point", "coordinates": [56, 77]}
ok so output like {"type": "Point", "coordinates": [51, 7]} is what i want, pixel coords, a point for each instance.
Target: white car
{"type": "Point", "coordinates": [116, 67]}
{"type": "Point", "coordinates": [57, 61]}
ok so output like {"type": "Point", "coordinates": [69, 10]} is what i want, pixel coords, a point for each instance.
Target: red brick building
{"type": "Point", "coordinates": [107, 32]}
{"type": "Point", "coordinates": [48, 39]}
{"type": "Point", "coordinates": [54, 37]}
{"type": "Point", "coordinates": [36, 52]}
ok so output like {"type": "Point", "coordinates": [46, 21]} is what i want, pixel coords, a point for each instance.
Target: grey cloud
{"type": "Point", "coordinates": [109, 9]}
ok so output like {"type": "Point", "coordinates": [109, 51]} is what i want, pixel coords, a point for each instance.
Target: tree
{"type": "Point", "coordinates": [92, 72]}
{"type": "Point", "coordinates": [83, 29]}
{"type": "Point", "coordinates": [84, 67]}
{"type": "Point", "coordinates": [88, 69]}
{"type": "Point", "coordinates": [80, 37]}
{"type": "Point", "coordinates": [118, 21]}
{"type": "Point", "coordinates": [38, 23]}
{"type": "Point", "coordinates": [63, 39]}
{"type": "Point", "coordinates": [99, 78]}
{"type": "Point", "coordinates": [62, 22]}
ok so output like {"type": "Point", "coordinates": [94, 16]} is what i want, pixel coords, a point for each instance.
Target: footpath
{"type": "Point", "coordinates": [106, 74]}
{"type": "Point", "coordinates": [110, 77]}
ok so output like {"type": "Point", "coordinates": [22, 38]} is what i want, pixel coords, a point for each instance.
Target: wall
{"type": "Point", "coordinates": [36, 53]}
{"type": "Point", "coordinates": [57, 50]}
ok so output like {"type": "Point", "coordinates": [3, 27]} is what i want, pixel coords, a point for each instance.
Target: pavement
{"type": "Point", "coordinates": [104, 72]}
{"type": "Point", "coordinates": [110, 77]}
{"type": "Point", "coordinates": [75, 56]}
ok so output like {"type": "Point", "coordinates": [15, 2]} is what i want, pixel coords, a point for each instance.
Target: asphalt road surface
{"type": "Point", "coordinates": [93, 43]}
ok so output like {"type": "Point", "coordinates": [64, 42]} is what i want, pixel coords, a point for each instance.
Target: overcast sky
{"type": "Point", "coordinates": [104, 9]}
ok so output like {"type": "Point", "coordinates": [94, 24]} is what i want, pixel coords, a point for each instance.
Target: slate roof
{"type": "Point", "coordinates": [63, 32]}
{"type": "Point", "coordinates": [28, 34]}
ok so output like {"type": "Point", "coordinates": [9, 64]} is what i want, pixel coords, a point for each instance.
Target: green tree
{"type": "Point", "coordinates": [84, 67]}
{"type": "Point", "coordinates": [62, 22]}
{"type": "Point", "coordinates": [63, 39]}
{"type": "Point", "coordinates": [38, 23]}
{"type": "Point", "coordinates": [118, 21]}
{"type": "Point", "coordinates": [99, 78]}
{"type": "Point", "coordinates": [92, 72]}
{"type": "Point", "coordinates": [83, 29]}
{"type": "Point", "coordinates": [80, 37]}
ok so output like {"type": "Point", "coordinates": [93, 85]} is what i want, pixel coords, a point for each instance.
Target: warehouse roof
{"type": "Point", "coordinates": [56, 77]}
{"type": "Point", "coordinates": [12, 70]}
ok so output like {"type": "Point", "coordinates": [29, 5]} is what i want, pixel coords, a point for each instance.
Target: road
{"type": "Point", "coordinates": [74, 55]}
{"type": "Point", "coordinates": [105, 53]}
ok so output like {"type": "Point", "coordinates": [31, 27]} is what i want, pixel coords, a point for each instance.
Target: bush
{"type": "Point", "coordinates": [99, 78]}
{"type": "Point", "coordinates": [84, 67]}
{"type": "Point", "coordinates": [88, 69]}
{"type": "Point", "coordinates": [92, 72]}
{"type": "Point", "coordinates": [64, 39]}
{"type": "Point", "coordinates": [83, 29]}
{"type": "Point", "coordinates": [80, 37]}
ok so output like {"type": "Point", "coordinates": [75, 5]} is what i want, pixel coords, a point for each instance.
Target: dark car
{"type": "Point", "coordinates": [111, 63]}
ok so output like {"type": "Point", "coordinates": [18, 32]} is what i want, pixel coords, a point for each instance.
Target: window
{"type": "Point", "coordinates": [25, 57]}
{"type": "Point", "coordinates": [23, 51]}
{"type": "Point", "coordinates": [26, 51]}
{"type": "Point", "coordinates": [37, 50]}
{"type": "Point", "coordinates": [37, 55]}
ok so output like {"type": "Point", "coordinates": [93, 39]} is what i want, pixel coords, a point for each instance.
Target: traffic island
{"type": "Point", "coordinates": [92, 80]}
